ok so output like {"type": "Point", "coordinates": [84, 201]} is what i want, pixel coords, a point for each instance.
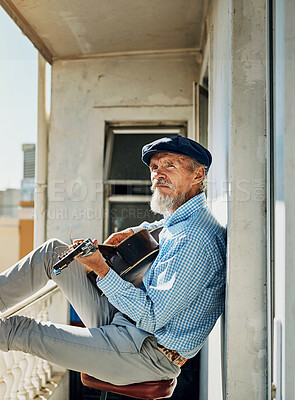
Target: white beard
{"type": "Point", "coordinates": [163, 203]}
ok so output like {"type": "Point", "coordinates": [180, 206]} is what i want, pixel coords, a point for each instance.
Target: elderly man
{"type": "Point", "coordinates": [133, 334]}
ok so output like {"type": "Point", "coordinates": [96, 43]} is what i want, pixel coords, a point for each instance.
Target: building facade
{"type": "Point", "coordinates": [230, 86]}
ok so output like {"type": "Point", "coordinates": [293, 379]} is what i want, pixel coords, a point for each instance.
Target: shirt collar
{"type": "Point", "coordinates": [186, 210]}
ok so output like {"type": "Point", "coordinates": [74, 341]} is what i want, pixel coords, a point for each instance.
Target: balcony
{"type": "Point", "coordinates": [23, 376]}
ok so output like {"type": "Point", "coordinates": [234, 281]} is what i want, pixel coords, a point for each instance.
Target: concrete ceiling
{"type": "Point", "coordinates": [69, 29]}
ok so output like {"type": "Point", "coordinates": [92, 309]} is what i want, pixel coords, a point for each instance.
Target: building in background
{"type": "Point", "coordinates": [9, 227]}
{"type": "Point", "coordinates": [9, 242]}
{"type": "Point", "coordinates": [26, 209]}
{"type": "Point", "coordinates": [28, 181]}
{"type": "Point", "coordinates": [17, 214]}
{"type": "Point", "coordinates": [9, 202]}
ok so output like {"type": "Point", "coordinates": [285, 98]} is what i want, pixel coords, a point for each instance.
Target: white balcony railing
{"type": "Point", "coordinates": [23, 376]}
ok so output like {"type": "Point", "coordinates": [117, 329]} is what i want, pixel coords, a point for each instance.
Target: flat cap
{"type": "Point", "coordinates": [177, 145]}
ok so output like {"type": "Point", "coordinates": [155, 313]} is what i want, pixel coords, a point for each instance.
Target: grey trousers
{"type": "Point", "coordinates": [110, 347]}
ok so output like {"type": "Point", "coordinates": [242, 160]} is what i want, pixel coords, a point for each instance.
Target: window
{"type": "Point", "coordinates": [127, 179]}
{"type": "Point", "coordinates": [202, 115]}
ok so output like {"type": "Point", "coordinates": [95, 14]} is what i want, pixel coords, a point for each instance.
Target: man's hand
{"type": "Point", "coordinates": [118, 237]}
{"type": "Point", "coordinates": [95, 262]}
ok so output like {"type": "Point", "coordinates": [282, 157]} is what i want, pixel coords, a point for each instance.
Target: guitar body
{"type": "Point", "coordinates": [133, 256]}
{"type": "Point", "coordinates": [136, 273]}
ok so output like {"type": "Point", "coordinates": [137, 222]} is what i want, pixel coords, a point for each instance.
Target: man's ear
{"type": "Point", "coordinates": [199, 175]}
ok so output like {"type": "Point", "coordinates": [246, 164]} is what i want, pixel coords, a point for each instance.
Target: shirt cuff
{"type": "Point", "coordinates": [112, 283]}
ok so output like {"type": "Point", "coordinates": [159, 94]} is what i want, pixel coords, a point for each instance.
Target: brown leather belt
{"type": "Point", "coordinates": [172, 355]}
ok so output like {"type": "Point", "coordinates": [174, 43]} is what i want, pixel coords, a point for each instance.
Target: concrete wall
{"type": "Point", "coordinates": [85, 95]}
{"type": "Point", "coordinates": [217, 53]}
{"type": "Point", "coordinates": [246, 358]}
{"type": "Point", "coordinates": [236, 51]}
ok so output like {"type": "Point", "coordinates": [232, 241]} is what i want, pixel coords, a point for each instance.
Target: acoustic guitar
{"type": "Point", "coordinates": [130, 259]}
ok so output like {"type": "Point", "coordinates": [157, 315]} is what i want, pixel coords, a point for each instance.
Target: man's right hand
{"type": "Point", "coordinates": [118, 237]}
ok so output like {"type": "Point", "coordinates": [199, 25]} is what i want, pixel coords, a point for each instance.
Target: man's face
{"type": "Point", "coordinates": [172, 178]}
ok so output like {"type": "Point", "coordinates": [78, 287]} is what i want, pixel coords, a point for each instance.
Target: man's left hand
{"type": "Point", "coordinates": [95, 262]}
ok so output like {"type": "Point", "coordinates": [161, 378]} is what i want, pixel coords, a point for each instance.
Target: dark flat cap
{"type": "Point", "coordinates": [177, 145]}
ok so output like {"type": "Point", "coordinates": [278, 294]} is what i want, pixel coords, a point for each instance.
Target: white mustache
{"type": "Point", "coordinates": [161, 182]}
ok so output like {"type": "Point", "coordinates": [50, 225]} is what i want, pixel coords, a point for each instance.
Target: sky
{"type": "Point", "coordinates": [18, 100]}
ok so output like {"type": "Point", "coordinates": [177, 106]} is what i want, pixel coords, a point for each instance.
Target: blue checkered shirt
{"type": "Point", "coordinates": [182, 294]}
